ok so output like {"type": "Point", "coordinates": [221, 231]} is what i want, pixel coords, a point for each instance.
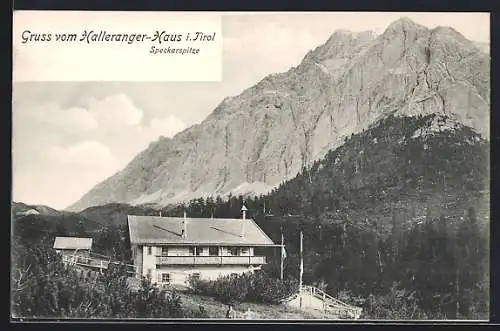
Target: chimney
{"type": "Point", "coordinates": [184, 225]}
{"type": "Point", "coordinates": [243, 220]}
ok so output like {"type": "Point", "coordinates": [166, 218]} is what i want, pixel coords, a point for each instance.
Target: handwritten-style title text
{"type": "Point", "coordinates": [103, 36]}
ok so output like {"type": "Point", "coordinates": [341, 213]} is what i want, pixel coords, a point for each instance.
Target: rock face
{"type": "Point", "coordinates": [264, 136]}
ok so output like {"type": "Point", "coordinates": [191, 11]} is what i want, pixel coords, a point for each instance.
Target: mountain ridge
{"type": "Point", "coordinates": [275, 128]}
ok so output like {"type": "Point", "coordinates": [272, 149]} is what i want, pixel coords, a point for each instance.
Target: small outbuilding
{"type": "Point", "coordinates": [73, 246]}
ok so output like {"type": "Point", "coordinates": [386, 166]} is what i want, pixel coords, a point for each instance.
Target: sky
{"type": "Point", "coordinates": [69, 136]}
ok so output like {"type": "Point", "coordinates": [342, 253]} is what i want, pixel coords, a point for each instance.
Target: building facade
{"type": "Point", "coordinates": [169, 250]}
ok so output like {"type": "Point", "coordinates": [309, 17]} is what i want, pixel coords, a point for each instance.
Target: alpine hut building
{"type": "Point", "coordinates": [169, 250]}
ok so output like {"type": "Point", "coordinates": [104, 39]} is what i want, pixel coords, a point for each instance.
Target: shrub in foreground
{"type": "Point", "coordinates": [398, 304]}
{"type": "Point", "coordinates": [42, 286]}
{"type": "Point", "coordinates": [255, 287]}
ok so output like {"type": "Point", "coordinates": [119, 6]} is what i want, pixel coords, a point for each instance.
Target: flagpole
{"type": "Point", "coordinates": [282, 252]}
{"type": "Point", "coordinates": [301, 271]}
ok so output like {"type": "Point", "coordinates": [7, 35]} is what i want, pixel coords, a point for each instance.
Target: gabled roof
{"type": "Point", "coordinates": [208, 231]}
{"type": "Point", "coordinates": [72, 243]}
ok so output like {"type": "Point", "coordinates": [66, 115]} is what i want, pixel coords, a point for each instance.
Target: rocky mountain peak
{"type": "Point", "coordinates": [451, 36]}
{"type": "Point", "coordinates": [403, 24]}
{"type": "Point", "coordinates": [341, 43]}
{"type": "Point", "coordinates": [267, 134]}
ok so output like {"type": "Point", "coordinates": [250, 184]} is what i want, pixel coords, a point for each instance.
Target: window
{"type": "Point", "coordinates": [157, 266]}
{"type": "Point", "coordinates": [165, 278]}
{"type": "Point", "coordinates": [164, 251]}
{"type": "Point", "coordinates": [244, 251]}
{"type": "Point", "coordinates": [191, 250]}
{"type": "Point", "coordinates": [213, 251]}
{"type": "Point", "coordinates": [232, 251]}
{"type": "Point", "coordinates": [149, 273]}
{"type": "Point", "coordinates": [150, 251]}
{"type": "Point", "coordinates": [199, 251]}
{"type": "Point", "coordinates": [195, 275]}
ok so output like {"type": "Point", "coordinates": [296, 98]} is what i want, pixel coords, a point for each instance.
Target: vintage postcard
{"type": "Point", "coordinates": [250, 166]}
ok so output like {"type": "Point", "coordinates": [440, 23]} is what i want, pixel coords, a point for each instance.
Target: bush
{"type": "Point", "coordinates": [150, 301]}
{"type": "Point", "coordinates": [398, 304]}
{"type": "Point", "coordinates": [250, 287]}
{"type": "Point", "coordinates": [227, 289]}
{"type": "Point", "coordinates": [265, 289]}
{"type": "Point", "coordinates": [43, 286]}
